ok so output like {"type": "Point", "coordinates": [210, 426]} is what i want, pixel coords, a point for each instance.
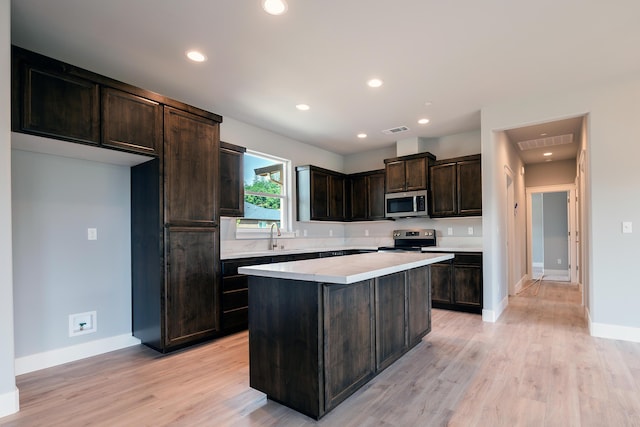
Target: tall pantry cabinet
{"type": "Point", "coordinates": [175, 220]}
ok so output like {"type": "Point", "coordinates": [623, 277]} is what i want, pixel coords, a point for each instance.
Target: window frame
{"type": "Point", "coordinates": [286, 202]}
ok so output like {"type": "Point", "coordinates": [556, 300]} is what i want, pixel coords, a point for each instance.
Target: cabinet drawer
{"type": "Point", "coordinates": [230, 268]}
{"type": "Point", "coordinates": [235, 318]}
{"type": "Point", "coordinates": [468, 259]}
{"type": "Point", "coordinates": [234, 283]}
{"type": "Point", "coordinates": [235, 299]}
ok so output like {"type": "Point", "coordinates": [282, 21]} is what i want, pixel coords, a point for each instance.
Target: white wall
{"type": "Point", "coordinates": [8, 392]}
{"type": "Point", "coordinates": [612, 175]}
{"type": "Point", "coordinates": [498, 157]}
{"type": "Point", "coordinates": [457, 145]}
{"type": "Point", "coordinates": [368, 160]}
{"type": "Point", "coordinates": [57, 271]}
{"type": "Point", "coordinates": [550, 173]}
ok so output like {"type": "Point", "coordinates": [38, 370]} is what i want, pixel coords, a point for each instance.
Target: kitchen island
{"type": "Point", "coordinates": [320, 329]}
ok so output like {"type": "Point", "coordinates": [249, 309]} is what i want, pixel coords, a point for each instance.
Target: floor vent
{"type": "Point", "coordinates": [395, 130]}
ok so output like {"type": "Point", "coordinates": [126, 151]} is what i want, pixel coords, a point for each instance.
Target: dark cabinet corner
{"type": "Point", "coordinates": [231, 174]}
{"type": "Point", "coordinates": [320, 194]}
{"type": "Point", "coordinates": [50, 102]}
{"type": "Point", "coordinates": [366, 196]}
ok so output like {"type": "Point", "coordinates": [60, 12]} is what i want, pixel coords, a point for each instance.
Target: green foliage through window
{"type": "Point", "coordinates": [265, 187]}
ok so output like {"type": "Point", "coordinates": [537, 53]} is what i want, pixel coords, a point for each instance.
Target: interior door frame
{"type": "Point", "coordinates": [510, 229]}
{"type": "Point", "coordinates": [571, 225]}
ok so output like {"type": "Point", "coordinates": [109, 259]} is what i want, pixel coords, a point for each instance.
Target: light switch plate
{"type": "Point", "coordinates": [92, 234]}
{"type": "Point", "coordinates": [627, 227]}
{"type": "Point", "coordinates": [470, 230]}
{"type": "Point", "coordinates": [450, 231]}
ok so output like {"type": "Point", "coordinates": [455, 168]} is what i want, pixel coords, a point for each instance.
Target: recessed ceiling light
{"type": "Point", "coordinates": [302, 107]}
{"type": "Point", "coordinates": [196, 56]}
{"type": "Point", "coordinates": [362, 135]}
{"type": "Point", "coordinates": [423, 121]}
{"type": "Point", "coordinates": [543, 134]}
{"type": "Point", "coordinates": [547, 154]}
{"type": "Point", "coordinates": [374, 83]}
{"type": "Point", "coordinates": [428, 103]}
{"type": "Point", "coordinates": [274, 7]}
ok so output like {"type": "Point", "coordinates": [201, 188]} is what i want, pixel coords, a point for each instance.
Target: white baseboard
{"type": "Point", "coordinates": [9, 403]}
{"type": "Point", "coordinates": [614, 332]}
{"type": "Point", "coordinates": [492, 316]}
{"type": "Point", "coordinates": [557, 275]}
{"type": "Point", "coordinates": [60, 356]}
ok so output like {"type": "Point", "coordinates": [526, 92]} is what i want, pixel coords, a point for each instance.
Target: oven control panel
{"type": "Point", "coordinates": [414, 234]}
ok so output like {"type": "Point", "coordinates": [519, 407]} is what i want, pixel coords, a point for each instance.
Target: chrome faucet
{"type": "Point", "coordinates": [273, 243]}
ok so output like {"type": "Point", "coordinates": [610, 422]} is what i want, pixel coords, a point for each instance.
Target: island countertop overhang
{"type": "Point", "coordinates": [346, 269]}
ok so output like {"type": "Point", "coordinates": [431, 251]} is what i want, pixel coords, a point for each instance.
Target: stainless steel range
{"type": "Point", "coordinates": [411, 240]}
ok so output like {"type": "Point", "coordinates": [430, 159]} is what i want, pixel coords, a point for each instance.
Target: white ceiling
{"type": "Point", "coordinates": [460, 55]}
{"type": "Point", "coordinates": [545, 134]}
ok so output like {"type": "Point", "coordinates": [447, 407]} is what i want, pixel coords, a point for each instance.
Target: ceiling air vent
{"type": "Point", "coordinates": [546, 142]}
{"type": "Point", "coordinates": [395, 130]}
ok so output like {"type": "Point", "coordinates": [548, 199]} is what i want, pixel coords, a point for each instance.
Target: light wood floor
{"type": "Point", "coordinates": [537, 366]}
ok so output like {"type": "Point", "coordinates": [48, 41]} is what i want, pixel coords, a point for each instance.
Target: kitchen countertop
{"type": "Point", "coordinates": [276, 252]}
{"type": "Point", "coordinates": [452, 249]}
{"type": "Point", "coordinates": [346, 269]}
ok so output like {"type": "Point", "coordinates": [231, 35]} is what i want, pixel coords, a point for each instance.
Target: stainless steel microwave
{"type": "Point", "coordinates": [408, 204]}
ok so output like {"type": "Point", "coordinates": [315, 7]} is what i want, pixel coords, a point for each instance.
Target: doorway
{"type": "Point", "coordinates": [551, 233]}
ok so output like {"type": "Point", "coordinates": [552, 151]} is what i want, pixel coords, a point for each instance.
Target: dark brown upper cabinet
{"type": "Point", "coordinates": [456, 187]}
{"type": "Point", "coordinates": [57, 100]}
{"type": "Point", "coordinates": [231, 180]}
{"type": "Point", "coordinates": [131, 122]}
{"type": "Point", "coordinates": [366, 195]}
{"type": "Point", "coordinates": [320, 194]}
{"type": "Point", "coordinates": [191, 149]}
{"type": "Point", "coordinates": [50, 102]}
{"type": "Point", "coordinates": [408, 173]}
{"type": "Point", "coordinates": [469, 176]}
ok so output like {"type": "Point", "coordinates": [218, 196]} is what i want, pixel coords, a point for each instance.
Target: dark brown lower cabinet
{"type": "Point", "coordinates": [349, 343]}
{"type": "Point", "coordinates": [191, 309]}
{"type": "Point", "coordinates": [311, 345]}
{"type": "Point", "coordinates": [418, 304]}
{"type": "Point", "coordinates": [391, 339]}
{"type": "Point", "coordinates": [457, 284]}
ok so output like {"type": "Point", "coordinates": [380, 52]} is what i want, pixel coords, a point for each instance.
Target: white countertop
{"type": "Point", "coordinates": [346, 269]}
{"type": "Point", "coordinates": [236, 255]}
{"type": "Point", "coordinates": [452, 249]}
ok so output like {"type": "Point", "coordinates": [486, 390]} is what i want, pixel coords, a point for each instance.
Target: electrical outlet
{"type": "Point", "coordinates": [470, 231]}
{"type": "Point", "coordinates": [627, 227]}
{"type": "Point", "coordinates": [559, 261]}
{"type": "Point", "coordinates": [83, 323]}
{"type": "Point", "coordinates": [92, 234]}
{"type": "Point", "coordinates": [450, 231]}
{"type": "Point", "coordinates": [330, 233]}
{"type": "Point", "coordinates": [304, 233]}
{"type": "Point", "coordinates": [366, 233]}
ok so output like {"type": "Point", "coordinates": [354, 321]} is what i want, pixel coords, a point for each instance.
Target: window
{"type": "Point", "coordinates": [266, 193]}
